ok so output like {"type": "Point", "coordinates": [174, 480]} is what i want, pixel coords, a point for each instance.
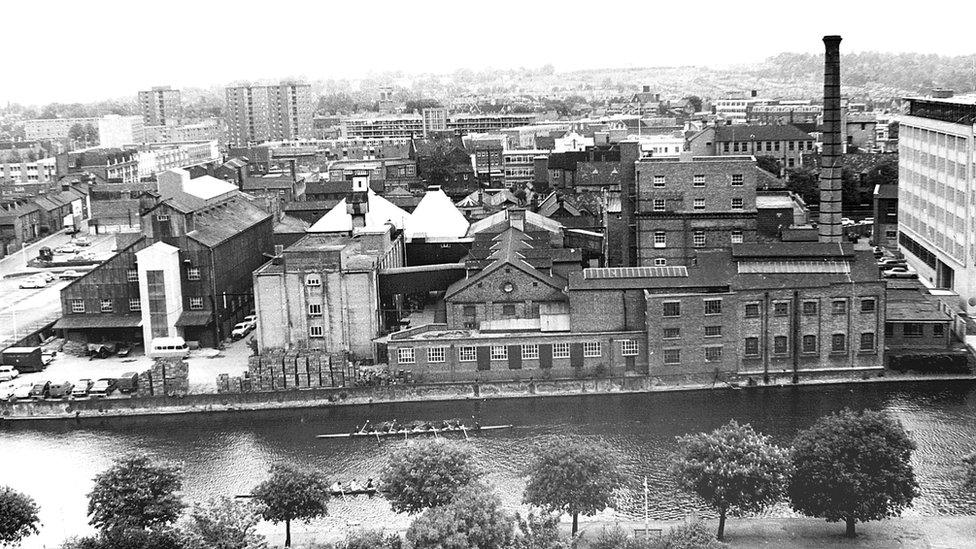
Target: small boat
{"type": "Point", "coordinates": [392, 429]}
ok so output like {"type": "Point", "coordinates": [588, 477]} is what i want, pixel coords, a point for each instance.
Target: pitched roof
{"type": "Point", "coordinates": [436, 217]}
{"type": "Point", "coordinates": [381, 210]}
{"type": "Point", "coordinates": [739, 132]}
{"type": "Point", "coordinates": [218, 223]}
{"type": "Point", "coordinates": [509, 248]}
{"type": "Point", "coordinates": [502, 217]}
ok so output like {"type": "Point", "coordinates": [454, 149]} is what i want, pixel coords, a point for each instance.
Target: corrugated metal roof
{"type": "Point", "coordinates": [635, 272]}
{"type": "Point", "coordinates": [794, 267]}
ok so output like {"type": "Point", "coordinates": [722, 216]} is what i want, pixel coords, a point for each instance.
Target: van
{"type": "Point", "coordinates": [162, 347]}
{"type": "Point", "coordinates": [128, 382]}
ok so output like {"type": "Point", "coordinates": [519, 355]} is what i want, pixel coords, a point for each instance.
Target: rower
{"type": "Point", "coordinates": [370, 485]}
{"type": "Point", "coordinates": [336, 487]}
{"type": "Point", "coordinates": [353, 486]}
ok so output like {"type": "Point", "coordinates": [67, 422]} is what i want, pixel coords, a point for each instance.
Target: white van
{"type": "Point", "coordinates": [162, 347]}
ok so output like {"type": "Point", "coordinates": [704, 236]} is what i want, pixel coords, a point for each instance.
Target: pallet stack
{"type": "Point", "coordinates": [144, 386]}
{"type": "Point", "coordinates": [170, 377]}
{"type": "Point", "coordinates": [277, 371]}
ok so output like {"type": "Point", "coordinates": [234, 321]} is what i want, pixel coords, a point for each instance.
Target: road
{"type": "Point", "coordinates": [25, 310]}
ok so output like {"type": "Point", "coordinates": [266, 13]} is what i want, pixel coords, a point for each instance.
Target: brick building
{"type": "Point", "coordinates": [785, 143]}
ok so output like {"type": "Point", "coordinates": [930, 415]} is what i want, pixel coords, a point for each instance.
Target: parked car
{"type": "Point", "coordinates": [81, 241]}
{"type": "Point", "coordinates": [128, 382]}
{"type": "Point", "coordinates": [8, 372]}
{"type": "Point", "coordinates": [46, 276]}
{"type": "Point", "coordinates": [70, 274]}
{"type": "Point", "coordinates": [60, 390]}
{"type": "Point", "coordinates": [32, 283]}
{"type": "Point", "coordinates": [892, 262]}
{"type": "Point", "coordinates": [241, 329]}
{"type": "Point", "coordinates": [253, 319]}
{"type": "Point", "coordinates": [899, 272]}
{"type": "Point", "coordinates": [86, 256]}
{"type": "Point", "coordinates": [81, 388]}
{"type": "Point", "coordinates": [66, 249]}
{"type": "Point", "coordinates": [21, 393]}
{"type": "Point", "coordinates": [102, 387]}
{"type": "Point", "coordinates": [40, 390]}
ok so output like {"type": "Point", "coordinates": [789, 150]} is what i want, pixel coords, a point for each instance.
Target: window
{"type": "Point", "coordinates": [698, 180]}
{"type": "Point", "coordinates": [106, 306]}
{"type": "Point", "coordinates": [499, 352]}
{"type": "Point", "coordinates": [867, 341]}
{"type": "Point", "coordinates": [508, 309]}
{"type": "Point", "coordinates": [736, 203]}
{"type": "Point", "coordinates": [592, 349]}
{"type": "Point", "coordinates": [781, 308]}
{"type": "Point", "coordinates": [672, 356]}
{"type": "Point", "coordinates": [713, 331]}
{"type": "Point", "coordinates": [752, 346]}
{"type": "Point", "coordinates": [467, 353]}
{"type": "Point", "coordinates": [313, 280]}
{"type": "Point", "coordinates": [699, 204]}
{"type": "Point", "coordinates": [196, 303]}
{"type": "Point", "coordinates": [317, 331]}
{"type": "Point", "coordinates": [867, 305]}
{"type": "Point", "coordinates": [436, 354]}
{"type": "Point", "coordinates": [629, 347]}
{"type": "Point", "coordinates": [660, 239]}
{"type": "Point", "coordinates": [132, 275]}
{"type": "Point", "coordinates": [135, 305]}
{"type": "Point", "coordinates": [809, 307]}
{"type": "Point", "coordinates": [780, 345]}
{"type": "Point", "coordinates": [659, 181]}
{"type": "Point", "coordinates": [698, 240]}
{"type": "Point", "coordinates": [809, 344]}
{"type": "Point", "coordinates": [560, 350]}
{"type": "Point", "coordinates": [913, 329]}
{"type": "Point", "coordinates": [838, 307]}
{"type": "Point", "coordinates": [660, 262]}
{"type": "Point", "coordinates": [752, 310]}
{"type": "Point", "coordinates": [672, 333]}
{"type": "Point", "coordinates": [193, 273]}
{"type": "Point", "coordinates": [405, 355]}
{"type": "Point", "coordinates": [314, 309]}
{"type": "Point", "coordinates": [658, 204]}
{"type": "Point", "coordinates": [889, 330]}
{"type": "Point", "coordinates": [838, 343]}
{"type": "Point", "coordinates": [737, 236]}
{"type": "Point", "coordinates": [530, 351]}
{"type": "Point", "coordinates": [938, 330]}
{"type": "Point", "coordinates": [671, 308]}
{"type": "Point", "coordinates": [713, 306]}
{"type": "Point", "coordinates": [468, 310]}
{"type": "Point", "coordinates": [77, 305]}
{"type": "Point", "coordinates": [162, 218]}
{"type": "Point", "coordinates": [737, 179]}
{"type": "Point", "coordinates": [713, 354]}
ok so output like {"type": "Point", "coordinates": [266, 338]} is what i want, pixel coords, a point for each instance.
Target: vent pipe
{"type": "Point", "coordinates": [832, 159]}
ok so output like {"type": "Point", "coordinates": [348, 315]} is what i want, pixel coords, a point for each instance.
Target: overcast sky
{"type": "Point", "coordinates": [70, 50]}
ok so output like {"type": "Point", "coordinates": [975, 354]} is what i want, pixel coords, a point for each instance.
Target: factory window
{"type": "Point", "coordinates": [889, 330]}
{"type": "Point", "coordinates": [659, 181]}
{"type": "Point", "coordinates": [736, 179]}
{"type": "Point", "coordinates": [672, 308]}
{"type": "Point", "coordinates": [313, 280]}
{"type": "Point", "coordinates": [809, 344]}
{"type": "Point", "coordinates": [699, 239]}
{"type": "Point", "coordinates": [913, 329]}
{"type": "Point", "coordinates": [106, 306]}
{"type": "Point", "coordinates": [737, 236]}
{"type": "Point", "coordinates": [672, 333]}
{"type": "Point", "coordinates": [776, 145]}
{"type": "Point", "coordinates": [938, 330]}
{"type": "Point", "coordinates": [791, 145]}
{"type": "Point", "coordinates": [193, 273]}
{"type": "Point", "coordinates": [713, 354]}
{"type": "Point", "coordinates": [752, 310]}
{"type": "Point", "coordinates": [436, 354]}
{"type": "Point", "coordinates": [405, 355]}
{"type": "Point", "coordinates": [867, 305]}
{"type": "Point", "coordinates": [809, 307]}
{"type": "Point", "coordinates": [838, 343]}
{"type": "Point", "coordinates": [838, 307]}
{"type": "Point", "coordinates": [196, 303]}
{"type": "Point", "coordinates": [499, 352]}
{"type": "Point", "coordinates": [314, 309]}
{"type": "Point", "coordinates": [780, 345]}
{"type": "Point", "coordinates": [867, 341]}
{"type": "Point", "coordinates": [699, 204]}
{"type": "Point", "coordinates": [713, 331]}
{"type": "Point", "coordinates": [752, 346]}
{"type": "Point", "coordinates": [560, 350]}
{"type": "Point", "coordinates": [132, 275]}
{"type": "Point", "coordinates": [736, 203]}
{"type": "Point", "coordinates": [781, 308]}
{"type": "Point", "coordinates": [698, 180]}
{"type": "Point", "coordinates": [660, 239]}
{"type": "Point", "coordinates": [725, 147]}
{"type": "Point", "coordinates": [713, 306]}
{"type": "Point", "coordinates": [468, 310]}
{"type": "Point", "coordinates": [317, 331]}
{"type": "Point", "coordinates": [660, 262]}
{"type": "Point", "coordinates": [508, 309]}
{"type": "Point", "coordinates": [467, 353]}
{"type": "Point", "coordinates": [592, 349]}
{"type": "Point", "coordinates": [672, 356]}
{"type": "Point", "coordinates": [135, 305]}
{"type": "Point", "coordinates": [162, 218]}
{"type": "Point", "coordinates": [629, 347]}
{"type": "Point", "coordinates": [530, 351]}
{"type": "Point", "coordinates": [658, 204]}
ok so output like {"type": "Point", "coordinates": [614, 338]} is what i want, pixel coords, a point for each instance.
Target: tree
{"type": "Point", "coordinates": [426, 474]}
{"type": "Point", "coordinates": [806, 183]}
{"type": "Point", "coordinates": [135, 494]}
{"type": "Point", "coordinates": [969, 472]}
{"type": "Point", "coordinates": [733, 468]}
{"type": "Point", "coordinates": [770, 164]}
{"type": "Point", "coordinates": [572, 477]}
{"type": "Point", "coordinates": [695, 102]}
{"type": "Point", "coordinates": [472, 520]}
{"type": "Point", "coordinates": [18, 516]}
{"type": "Point", "coordinates": [291, 494]}
{"type": "Point", "coordinates": [691, 535]}
{"type": "Point", "coordinates": [222, 524]}
{"type": "Point", "coordinates": [852, 467]}
{"type": "Point", "coordinates": [536, 531]}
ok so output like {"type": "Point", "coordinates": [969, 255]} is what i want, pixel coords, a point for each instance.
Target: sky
{"type": "Point", "coordinates": [99, 49]}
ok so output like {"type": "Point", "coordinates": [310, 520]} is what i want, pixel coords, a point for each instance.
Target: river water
{"type": "Point", "coordinates": [228, 453]}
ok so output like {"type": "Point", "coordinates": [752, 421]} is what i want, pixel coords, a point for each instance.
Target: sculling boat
{"type": "Point", "coordinates": [406, 431]}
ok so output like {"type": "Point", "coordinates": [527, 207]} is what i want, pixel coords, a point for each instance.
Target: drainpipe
{"type": "Point", "coordinates": [795, 336]}
{"type": "Point", "coordinates": [213, 298]}
{"type": "Point", "coordinates": [765, 337]}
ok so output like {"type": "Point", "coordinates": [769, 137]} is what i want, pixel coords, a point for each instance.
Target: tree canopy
{"type": "Point", "coordinates": [135, 494]}
{"type": "Point", "coordinates": [292, 494]}
{"type": "Point", "coordinates": [427, 473]}
{"type": "Point", "coordinates": [222, 524]}
{"type": "Point", "coordinates": [18, 516]}
{"type": "Point", "coordinates": [572, 477]}
{"type": "Point", "coordinates": [474, 519]}
{"type": "Point", "coordinates": [853, 467]}
{"type": "Point", "coordinates": [733, 469]}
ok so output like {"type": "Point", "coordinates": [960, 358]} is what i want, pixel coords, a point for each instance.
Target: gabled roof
{"type": "Point", "coordinates": [739, 133]}
{"type": "Point", "coordinates": [436, 217]}
{"type": "Point", "coordinates": [381, 211]}
{"type": "Point", "coordinates": [554, 202]}
{"type": "Point", "coordinates": [218, 223]}
{"type": "Point", "coordinates": [508, 250]}
{"type": "Point", "coordinates": [531, 219]}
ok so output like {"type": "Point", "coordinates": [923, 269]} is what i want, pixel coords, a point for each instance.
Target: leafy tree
{"type": "Point", "coordinates": [421, 104]}
{"type": "Point", "coordinates": [371, 539]}
{"type": "Point", "coordinates": [292, 494]}
{"type": "Point", "coordinates": [770, 164]}
{"type": "Point", "coordinates": [222, 524]}
{"type": "Point", "coordinates": [18, 516]}
{"type": "Point", "coordinates": [472, 520]}
{"type": "Point", "coordinates": [806, 183]}
{"type": "Point", "coordinates": [129, 539]}
{"type": "Point", "coordinates": [76, 132]}
{"type": "Point", "coordinates": [135, 494]}
{"type": "Point", "coordinates": [691, 535]}
{"type": "Point", "coordinates": [536, 531]}
{"type": "Point", "coordinates": [427, 473]}
{"type": "Point", "coordinates": [852, 467]}
{"type": "Point", "coordinates": [733, 468]}
{"type": "Point", "coordinates": [695, 102]}
{"type": "Point", "coordinates": [969, 472]}
{"type": "Point", "coordinates": [91, 134]}
{"type": "Point", "coordinates": [572, 477]}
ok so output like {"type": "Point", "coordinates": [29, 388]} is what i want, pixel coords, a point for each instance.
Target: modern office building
{"type": "Point", "coordinates": [161, 106]}
{"type": "Point", "coordinates": [256, 114]}
{"type": "Point", "coordinates": [54, 128]}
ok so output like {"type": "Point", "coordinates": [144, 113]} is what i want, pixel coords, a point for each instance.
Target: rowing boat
{"type": "Point", "coordinates": [406, 433]}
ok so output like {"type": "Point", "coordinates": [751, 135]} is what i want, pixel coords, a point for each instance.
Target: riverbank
{"type": "Point", "coordinates": [324, 398]}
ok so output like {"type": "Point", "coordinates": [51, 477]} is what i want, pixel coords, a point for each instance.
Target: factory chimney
{"type": "Point", "coordinates": [832, 159]}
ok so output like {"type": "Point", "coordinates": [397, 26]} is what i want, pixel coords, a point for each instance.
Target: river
{"type": "Point", "coordinates": [228, 453]}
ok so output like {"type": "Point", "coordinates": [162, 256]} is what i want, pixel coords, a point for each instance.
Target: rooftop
{"type": "Point", "coordinates": [741, 133]}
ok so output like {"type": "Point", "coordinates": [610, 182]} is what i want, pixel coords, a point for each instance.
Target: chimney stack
{"type": "Point", "coordinates": [832, 159]}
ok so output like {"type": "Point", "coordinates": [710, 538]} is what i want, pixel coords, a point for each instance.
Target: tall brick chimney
{"type": "Point", "coordinates": [832, 159]}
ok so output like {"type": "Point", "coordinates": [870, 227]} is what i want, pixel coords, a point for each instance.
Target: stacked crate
{"type": "Point", "coordinates": [170, 377]}
{"type": "Point", "coordinates": [223, 383]}
{"type": "Point", "coordinates": [144, 387]}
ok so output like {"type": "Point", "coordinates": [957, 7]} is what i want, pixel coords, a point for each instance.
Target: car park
{"type": "Point", "coordinates": [70, 274]}
{"type": "Point", "coordinates": [66, 249]}
{"type": "Point", "coordinates": [81, 388]}
{"type": "Point", "coordinates": [241, 329]}
{"type": "Point", "coordinates": [102, 387]}
{"type": "Point", "coordinates": [32, 283]}
{"type": "Point", "coordinates": [60, 390]}
{"type": "Point", "coordinates": [8, 373]}
{"type": "Point", "coordinates": [39, 391]}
